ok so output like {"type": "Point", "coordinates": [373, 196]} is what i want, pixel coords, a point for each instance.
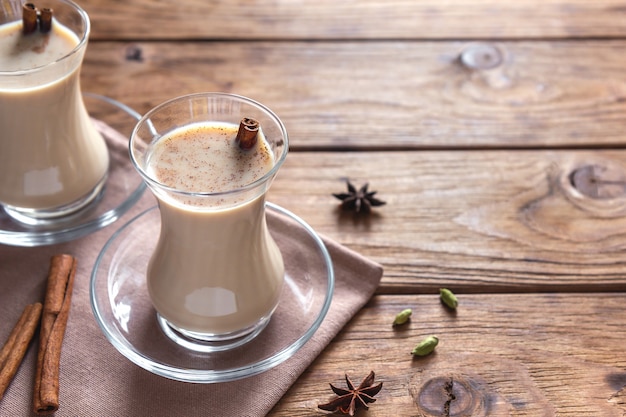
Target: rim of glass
{"type": "Point", "coordinates": [152, 182]}
{"type": "Point", "coordinates": [81, 43]}
{"type": "Point", "coordinates": [214, 376]}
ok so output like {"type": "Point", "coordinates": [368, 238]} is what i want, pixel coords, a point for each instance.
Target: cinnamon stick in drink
{"type": "Point", "coordinates": [45, 20]}
{"type": "Point", "coordinates": [247, 133]}
{"type": "Point", "coordinates": [56, 309]}
{"type": "Point", "coordinates": [17, 344]}
{"type": "Point", "coordinates": [29, 18]}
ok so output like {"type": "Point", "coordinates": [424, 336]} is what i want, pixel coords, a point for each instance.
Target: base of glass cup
{"type": "Point", "coordinates": [211, 342]}
{"type": "Point", "coordinates": [56, 215]}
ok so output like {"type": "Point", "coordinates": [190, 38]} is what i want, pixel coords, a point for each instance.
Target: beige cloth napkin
{"type": "Point", "coordinates": [96, 380]}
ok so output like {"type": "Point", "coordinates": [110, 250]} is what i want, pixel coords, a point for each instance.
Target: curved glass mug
{"type": "Point", "coordinates": [53, 162]}
{"type": "Point", "coordinates": [216, 273]}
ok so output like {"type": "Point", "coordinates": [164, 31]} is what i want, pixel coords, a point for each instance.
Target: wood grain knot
{"type": "Point", "coordinates": [134, 53]}
{"type": "Point", "coordinates": [599, 182]}
{"type": "Point", "coordinates": [481, 56]}
{"type": "Point", "coordinates": [596, 186]}
{"type": "Point", "coordinates": [449, 396]}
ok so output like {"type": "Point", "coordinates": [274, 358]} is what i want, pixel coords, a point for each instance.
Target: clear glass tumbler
{"type": "Point", "coordinates": [53, 161]}
{"type": "Point", "coordinates": [216, 274]}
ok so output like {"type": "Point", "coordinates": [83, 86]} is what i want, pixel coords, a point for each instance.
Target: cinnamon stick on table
{"type": "Point", "coordinates": [16, 345]}
{"type": "Point", "coordinates": [56, 309]}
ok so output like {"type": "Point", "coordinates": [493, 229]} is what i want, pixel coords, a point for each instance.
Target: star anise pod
{"type": "Point", "coordinates": [349, 400]}
{"type": "Point", "coordinates": [358, 200]}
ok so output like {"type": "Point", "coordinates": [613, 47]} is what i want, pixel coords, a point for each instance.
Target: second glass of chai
{"type": "Point", "coordinates": [53, 161]}
{"type": "Point", "coordinates": [216, 274]}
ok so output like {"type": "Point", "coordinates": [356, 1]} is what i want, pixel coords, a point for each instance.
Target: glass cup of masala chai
{"type": "Point", "coordinates": [216, 274]}
{"type": "Point", "coordinates": [53, 161]}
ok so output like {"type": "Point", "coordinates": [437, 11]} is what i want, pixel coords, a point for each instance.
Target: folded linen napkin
{"type": "Point", "coordinates": [96, 380]}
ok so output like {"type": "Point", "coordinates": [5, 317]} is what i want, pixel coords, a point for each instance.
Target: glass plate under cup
{"type": "Point", "coordinates": [122, 308]}
{"type": "Point", "coordinates": [121, 191]}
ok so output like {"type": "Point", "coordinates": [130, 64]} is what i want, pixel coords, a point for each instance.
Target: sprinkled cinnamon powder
{"type": "Point", "coordinates": [206, 158]}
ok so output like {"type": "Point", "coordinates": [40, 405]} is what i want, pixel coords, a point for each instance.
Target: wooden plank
{"type": "Point", "coordinates": [389, 95]}
{"type": "Point", "coordinates": [350, 19]}
{"type": "Point", "coordinates": [484, 221]}
{"type": "Point", "coordinates": [502, 357]}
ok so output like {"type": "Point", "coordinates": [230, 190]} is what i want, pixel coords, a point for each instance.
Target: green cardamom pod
{"type": "Point", "coordinates": [448, 298]}
{"type": "Point", "coordinates": [402, 317]}
{"type": "Point", "coordinates": [426, 346]}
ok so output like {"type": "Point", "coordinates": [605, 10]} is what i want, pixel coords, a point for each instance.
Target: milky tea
{"type": "Point", "coordinates": [216, 272]}
{"type": "Point", "coordinates": [52, 159]}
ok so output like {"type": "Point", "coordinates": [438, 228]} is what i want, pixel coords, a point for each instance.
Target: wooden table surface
{"type": "Point", "coordinates": [495, 132]}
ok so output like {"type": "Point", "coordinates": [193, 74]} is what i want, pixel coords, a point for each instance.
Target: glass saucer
{"type": "Point", "coordinates": [122, 189]}
{"type": "Point", "coordinates": [122, 308]}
